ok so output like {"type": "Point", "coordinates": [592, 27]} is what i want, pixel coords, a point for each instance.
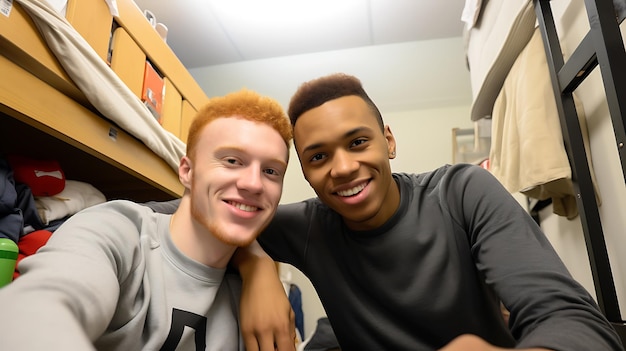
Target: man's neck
{"type": "Point", "coordinates": [196, 242]}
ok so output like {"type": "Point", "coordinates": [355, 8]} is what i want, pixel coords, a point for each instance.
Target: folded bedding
{"type": "Point", "coordinates": [500, 31]}
{"type": "Point", "coordinates": [75, 197]}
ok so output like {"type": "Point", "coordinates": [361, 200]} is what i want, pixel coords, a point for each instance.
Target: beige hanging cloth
{"type": "Point", "coordinates": [527, 152]}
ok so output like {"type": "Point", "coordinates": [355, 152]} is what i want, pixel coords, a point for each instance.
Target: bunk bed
{"type": "Point", "coordinates": [72, 87]}
{"type": "Point", "coordinates": [603, 45]}
{"type": "Point", "coordinates": [497, 40]}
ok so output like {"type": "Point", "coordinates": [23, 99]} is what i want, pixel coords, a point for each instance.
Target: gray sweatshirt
{"type": "Point", "coordinates": [438, 268]}
{"type": "Point", "coordinates": [111, 278]}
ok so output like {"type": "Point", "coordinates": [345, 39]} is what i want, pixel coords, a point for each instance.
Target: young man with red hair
{"type": "Point", "coordinates": [118, 276]}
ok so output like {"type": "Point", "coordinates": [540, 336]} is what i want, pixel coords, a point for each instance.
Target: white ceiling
{"type": "Point", "coordinates": [213, 32]}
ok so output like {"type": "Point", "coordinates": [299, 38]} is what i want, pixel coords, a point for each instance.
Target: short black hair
{"type": "Point", "coordinates": [316, 92]}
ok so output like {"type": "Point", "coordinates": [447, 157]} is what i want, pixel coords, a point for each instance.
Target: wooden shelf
{"type": "Point", "coordinates": [44, 115]}
{"type": "Point", "coordinates": [132, 19]}
{"type": "Point", "coordinates": [40, 121]}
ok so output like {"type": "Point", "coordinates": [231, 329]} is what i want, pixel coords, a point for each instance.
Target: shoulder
{"type": "Point", "coordinates": [451, 184]}
{"type": "Point", "coordinates": [302, 216]}
{"type": "Point", "coordinates": [116, 208]}
{"type": "Point", "coordinates": [305, 208]}
{"type": "Point", "coordinates": [114, 228]}
{"type": "Point", "coordinates": [167, 207]}
{"type": "Point", "coordinates": [116, 217]}
{"type": "Point", "coordinates": [447, 174]}
{"type": "Point", "coordinates": [462, 173]}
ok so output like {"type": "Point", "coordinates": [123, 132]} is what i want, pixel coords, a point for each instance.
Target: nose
{"type": "Point", "coordinates": [250, 179]}
{"type": "Point", "coordinates": [343, 164]}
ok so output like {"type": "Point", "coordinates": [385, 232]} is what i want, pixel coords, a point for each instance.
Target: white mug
{"type": "Point", "coordinates": [151, 17]}
{"type": "Point", "coordinates": [162, 30]}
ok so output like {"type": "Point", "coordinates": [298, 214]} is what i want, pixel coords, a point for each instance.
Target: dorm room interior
{"type": "Point", "coordinates": [83, 95]}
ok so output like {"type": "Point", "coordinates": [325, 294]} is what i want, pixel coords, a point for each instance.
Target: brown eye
{"type": "Point", "coordinates": [358, 142]}
{"type": "Point", "coordinates": [317, 157]}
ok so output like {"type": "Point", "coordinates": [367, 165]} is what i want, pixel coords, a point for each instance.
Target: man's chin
{"type": "Point", "coordinates": [243, 237]}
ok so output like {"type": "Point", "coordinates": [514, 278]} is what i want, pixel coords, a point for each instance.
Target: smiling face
{"type": "Point", "coordinates": [344, 156]}
{"type": "Point", "coordinates": [235, 179]}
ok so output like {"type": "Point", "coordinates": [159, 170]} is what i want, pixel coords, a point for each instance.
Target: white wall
{"type": "Point", "coordinates": [422, 89]}
{"type": "Point", "coordinates": [398, 77]}
{"type": "Point", "coordinates": [424, 137]}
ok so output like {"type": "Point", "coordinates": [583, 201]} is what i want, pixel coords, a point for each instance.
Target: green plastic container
{"type": "Point", "coordinates": [8, 259]}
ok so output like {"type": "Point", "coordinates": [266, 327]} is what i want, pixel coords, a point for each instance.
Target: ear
{"type": "Point", "coordinates": [391, 142]}
{"type": "Point", "coordinates": [185, 172]}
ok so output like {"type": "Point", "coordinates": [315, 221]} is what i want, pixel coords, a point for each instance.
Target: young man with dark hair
{"type": "Point", "coordinates": [410, 261]}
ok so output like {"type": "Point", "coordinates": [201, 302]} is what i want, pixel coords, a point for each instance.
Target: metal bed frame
{"type": "Point", "coordinates": [601, 46]}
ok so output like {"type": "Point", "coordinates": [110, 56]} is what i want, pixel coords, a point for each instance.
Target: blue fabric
{"type": "Point", "coordinates": [11, 220]}
{"type": "Point", "coordinates": [26, 203]}
{"type": "Point", "coordinates": [17, 206]}
{"type": "Point", "coordinates": [295, 298]}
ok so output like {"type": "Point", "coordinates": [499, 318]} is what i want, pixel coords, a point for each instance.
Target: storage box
{"type": "Point", "coordinates": [153, 90]}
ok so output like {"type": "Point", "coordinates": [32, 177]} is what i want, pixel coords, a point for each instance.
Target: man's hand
{"type": "Point", "coordinates": [469, 342]}
{"type": "Point", "coordinates": [266, 317]}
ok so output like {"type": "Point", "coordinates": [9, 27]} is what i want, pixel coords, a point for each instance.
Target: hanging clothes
{"type": "Point", "coordinates": [527, 151]}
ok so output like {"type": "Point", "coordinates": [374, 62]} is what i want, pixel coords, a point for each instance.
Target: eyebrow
{"type": "Point", "coordinates": [347, 134]}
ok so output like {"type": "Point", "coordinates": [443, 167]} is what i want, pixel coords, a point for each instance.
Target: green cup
{"type": "Point", "coordinates": [8, 260]}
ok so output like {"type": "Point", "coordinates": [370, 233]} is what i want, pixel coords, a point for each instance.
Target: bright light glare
{"type": "Point", "coordinates": [284, 12]}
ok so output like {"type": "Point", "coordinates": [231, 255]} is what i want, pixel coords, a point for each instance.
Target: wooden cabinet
{"type": "Point", "coordinates": [127, 60]}
{"type": "Point", "coordinates": [171, 118]}
{"type": "Point", "coordinates": [44, 115]}
{"type": "Point", "coordinates": [188, 112]}
{"type": "Point", "coordinates": [92, 19]}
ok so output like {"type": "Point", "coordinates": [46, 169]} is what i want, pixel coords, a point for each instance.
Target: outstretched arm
{"type": "Point", "coordinates": [267, 320]}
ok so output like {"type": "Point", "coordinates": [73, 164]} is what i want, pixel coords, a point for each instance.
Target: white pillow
{"type": "Point", "coordinates": [75, 197]}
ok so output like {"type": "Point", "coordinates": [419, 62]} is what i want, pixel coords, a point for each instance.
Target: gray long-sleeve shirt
{"type": "Point", "coordinates": [457, 246]}
{"type": "Point", "coordinates": [111, 278]}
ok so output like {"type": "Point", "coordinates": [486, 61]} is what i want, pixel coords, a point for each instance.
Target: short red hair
{"type": "Point", "coordinates": [245, 104]}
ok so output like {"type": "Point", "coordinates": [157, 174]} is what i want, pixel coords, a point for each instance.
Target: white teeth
{"type": "Point", "coordinates": [243, 207]}
{"type": "Point", "coordinates": [357, 189]}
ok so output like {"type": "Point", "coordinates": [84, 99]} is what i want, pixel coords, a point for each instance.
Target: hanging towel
{"type": "Point", "coordinates": [527, 151]}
